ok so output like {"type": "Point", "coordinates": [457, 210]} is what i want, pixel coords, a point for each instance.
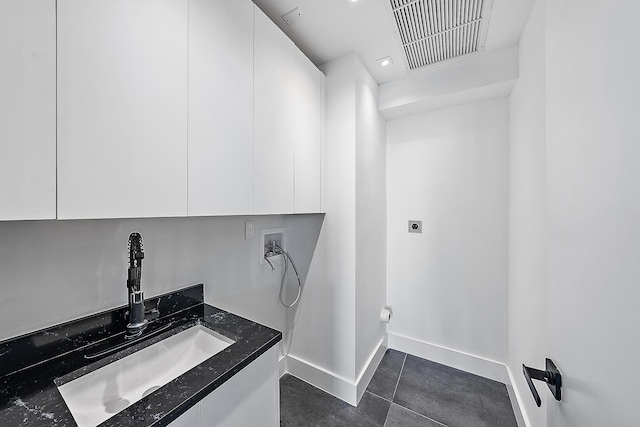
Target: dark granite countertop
{"type": "Point", "coordinates": [32, 365]}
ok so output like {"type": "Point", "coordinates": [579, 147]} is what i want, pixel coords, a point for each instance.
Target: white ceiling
{"type": "Point", "coordinates": [329, 29]}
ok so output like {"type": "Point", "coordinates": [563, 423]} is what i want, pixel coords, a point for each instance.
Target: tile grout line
{"type": "Point", "coordinates": [394, 395]}
{"type": "Point", "coordinates": [377, 395]}
{"type": "Point", "coordinates": [423, 416]}
{"type": "Point", "coordinates": [399, 375]}
{"type": "Point", "coordinates": [385, 400]}
{"type": "Point", "coordinates": [394, 390]}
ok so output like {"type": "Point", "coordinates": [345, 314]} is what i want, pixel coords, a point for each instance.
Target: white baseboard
{"type": "Point", "coordinates": [369, 369]}
{"type": "Point", "coordinates": [478, 365]}
{"type": "Point", "coordinates": [516, 401]}
{"type": "Point", "coordinates": [336, 385]}
{"type": "Point", "coordinates": [282, 365]}
{"type": "Point", "coordinates": [352, 391]}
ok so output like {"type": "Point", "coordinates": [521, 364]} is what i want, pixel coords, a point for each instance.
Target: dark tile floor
{"type": "Point", "coordinates": [405, 391]}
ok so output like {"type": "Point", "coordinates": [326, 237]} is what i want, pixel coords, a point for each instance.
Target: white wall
{"type": "Point", "coordinates": [337, 327]}
{"type": "Point", "coordinates": [461, 81]}
{"type": "Point", "coordinates": [593, 178]}
{"type": "Point", "coordinates": [527, 217]}
{"type": "Point", "coordinates": [53, 271]}
{"type": "Point", "coordinates": [325, 328]}
{"type": "Point", "coordinates": [448, 285]}
{"type": "Point", "coordinates": [371, 219]}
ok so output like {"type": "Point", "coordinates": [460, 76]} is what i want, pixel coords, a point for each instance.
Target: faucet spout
{"type": "Point", "coordinates": [137, 322]}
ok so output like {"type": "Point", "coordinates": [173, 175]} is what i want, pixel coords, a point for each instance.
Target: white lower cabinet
{"type": "Point", "coordinates": [250, 398]}
{"type": "Point", "coordinates": [191, 418]}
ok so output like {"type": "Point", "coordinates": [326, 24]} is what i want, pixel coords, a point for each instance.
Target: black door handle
{"type": "Point", "coordinates": [551, 376]}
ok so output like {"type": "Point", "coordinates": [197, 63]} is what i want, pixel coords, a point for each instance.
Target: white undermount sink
{"type": "Point", "coordinates": [98, 395]}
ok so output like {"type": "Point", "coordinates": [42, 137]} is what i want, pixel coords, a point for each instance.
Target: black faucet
{"type": "Point", "coordinates": [137, 322]}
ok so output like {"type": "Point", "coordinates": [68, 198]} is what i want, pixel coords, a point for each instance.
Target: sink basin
{"type": "Point", "coordinates": [98, 395]}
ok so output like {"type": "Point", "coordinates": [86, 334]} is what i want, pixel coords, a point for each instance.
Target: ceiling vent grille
{"type": "Point", "coordinates": [433, 31]}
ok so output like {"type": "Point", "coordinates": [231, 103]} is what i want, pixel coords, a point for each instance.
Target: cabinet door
{"type": "Point", "coordinates": [273, 118]}
{"type": "Point", "coordinates": [27, 109]}
{"type": "Point", "coordinates": [250, 398]}
{"type": "Point", "coordinates": [122, 108]}
{"type": "Point", "coordinates": [308, 136]}
{"type": "Point", "coordinates": [220, 107]}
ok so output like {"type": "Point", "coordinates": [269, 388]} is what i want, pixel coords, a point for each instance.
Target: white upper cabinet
{"type": "Point", "coordinates": [287, 124]}
{"type": "Point", "coordinates": [122, 108]}
{"type": "Point", "coordinates": [309, 103]}
{"type": "Point", "coordinates": [274, 118]}
{"type": "Point", "coordinates": [27, 109]}
{"type": "Point", "coordinates": [220, 107]}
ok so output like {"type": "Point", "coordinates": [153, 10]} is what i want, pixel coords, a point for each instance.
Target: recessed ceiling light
{"type": "Point", "coordinates": [384, 62]}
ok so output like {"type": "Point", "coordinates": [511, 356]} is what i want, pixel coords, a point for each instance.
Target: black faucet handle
{"type": "Point", "coordinates": [133, 279]}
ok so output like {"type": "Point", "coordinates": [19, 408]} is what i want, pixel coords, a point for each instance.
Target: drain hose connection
{"type": "Point", "coordinates": [277, 250]}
